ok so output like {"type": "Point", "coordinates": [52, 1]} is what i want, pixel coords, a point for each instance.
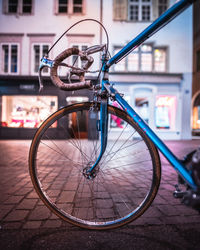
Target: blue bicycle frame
{"type": "Point", "coordinates": [106, 87]}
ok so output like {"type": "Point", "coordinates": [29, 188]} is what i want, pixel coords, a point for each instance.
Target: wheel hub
{"type": "Point", "coordinates": [90, 175]}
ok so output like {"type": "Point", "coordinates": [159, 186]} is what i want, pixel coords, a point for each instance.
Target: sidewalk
{"type": "Point", "coordinates": [21, 209]}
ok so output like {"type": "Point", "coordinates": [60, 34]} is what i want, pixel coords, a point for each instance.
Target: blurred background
{"type": "Point", "coordinates": [160, 79]}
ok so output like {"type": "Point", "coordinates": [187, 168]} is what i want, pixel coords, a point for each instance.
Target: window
{"type": "Point", "coordinates": [75, 59]}
{"type": "Point", "coordinates": [162, 6]}
{"type": "Point", "coordinates": [146, 58]}
{"type": "Point", "coordinates": [9, 58]}
{"type": "Point", "coordinates": [27, 6]}
{"type": "Point", "coordinates": [142, 97]}
{"type": "Point", "coordinates": [138, 10]}
{"type": "Point", "coordinates": [18, 6]}
{"type": "Point", "coordinates": [63, 6]}
{"type": "Point", "coordinates": [121, 65]}
{"type": "Point", "coordinates": [196, 113]}
{"type": "Point", "coordinates": [77, 6]}
{"type": "Point", "coordinates": [39, 50]}
{"type": "Point", "coordinates": [39, 46]}
{"type": "Point", "coordinates": [69, 7]}
{"type": "Point", "coordinates": [160, 59]}
{"type": "Point", "coordinates": [133, 61]}
{"type": "Point", "coordinates": [12, 6]}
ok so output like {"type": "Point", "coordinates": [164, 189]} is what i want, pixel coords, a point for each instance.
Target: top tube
{"type": "Point", "coordinates": [160, 22]}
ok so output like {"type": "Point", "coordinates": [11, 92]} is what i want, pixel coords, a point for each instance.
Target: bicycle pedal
{"type": "Point", "coordinates": [178, 194]}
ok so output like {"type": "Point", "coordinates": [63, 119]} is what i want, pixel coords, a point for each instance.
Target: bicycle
{"type": "Point", "coordinates": [98, 177]}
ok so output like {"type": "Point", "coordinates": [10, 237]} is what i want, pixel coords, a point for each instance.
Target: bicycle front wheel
{"type": "Point", "coordinates": [124, 183]}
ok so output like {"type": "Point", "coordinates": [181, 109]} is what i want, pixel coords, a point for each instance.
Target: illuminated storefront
{"type": "Point", "coordinates": [27, 111]}
{"type": "Point", "coordinates": [196, 116]}
{"type": "Point", "coordinates": [165, 112]}
{"type": "Point", "coordinates": [162, 100]}
{"type": "Point", "coordinates": [23, 108]}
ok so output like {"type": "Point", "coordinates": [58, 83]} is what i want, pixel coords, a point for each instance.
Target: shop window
{"type": "Point", "coordinates": [9, 58]}
{"type": "Point", "coordinates": [142, 102]}
{"type": "Point", "coordinates": [69, 6]}
{"type": "Point", "coordinates": [79, 130]}
{"type": "Point", "coordinates": [115, 122]}
{"type": "Point", "coordinates": [196, 113]}
{"type": "Point", "coordinates": [142, 107]}
{"type": "Point", "coordinates": [165, 113]}
{"type": "Point", "coordinates": [27, 111]}
{"type": "Point", "coordinates": [18, 6]}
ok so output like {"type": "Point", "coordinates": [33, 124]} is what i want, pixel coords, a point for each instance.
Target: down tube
{"type": "Point", "coordinates": [155, 139]}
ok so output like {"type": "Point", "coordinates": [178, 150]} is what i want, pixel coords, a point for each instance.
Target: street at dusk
{"type": "Point", "coordinates": [91, 91]}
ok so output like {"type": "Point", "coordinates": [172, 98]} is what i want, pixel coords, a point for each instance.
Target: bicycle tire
{"type": "Point", "coordinates": [123, 187]}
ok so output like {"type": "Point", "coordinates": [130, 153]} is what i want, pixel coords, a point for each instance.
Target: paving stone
{"type": "Point", "coordinates": [16, 215]}
{"type": "Point", "coordinates": [32, 224]}
{"type": "Point", "coordinates": [39, 213]}
{"type": "Point", "coordinates": [20, 206]}
{"type": "Point", "coordinates": [13, 200]}
{"type": "Point", "coordinates": [12, 225]}
{"type": "Point", "coordinates": [32, 195]}
{"type": "Point", "coordinates": [169, 210]}
{"type": "Point", "coordinates": [52, 223]}
{"type": "Point", "coordinates": [27, 204]}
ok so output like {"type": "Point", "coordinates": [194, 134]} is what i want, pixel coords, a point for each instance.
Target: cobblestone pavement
{"type": "Point", "coordinates": [20, 207]}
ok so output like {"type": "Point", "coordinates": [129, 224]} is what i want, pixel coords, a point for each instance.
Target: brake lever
{"type": "Point", "coordinates": [45, 62]}
{"type": "Point", "coordinates": [94, 49]}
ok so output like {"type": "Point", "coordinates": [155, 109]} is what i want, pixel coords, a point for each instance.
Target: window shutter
{"type": "Point", "coordinates": [154, 9]}
{"type": "Point", "coordinates": [5, 6]}
{"type": "Point", "coordinates": [120, 10]}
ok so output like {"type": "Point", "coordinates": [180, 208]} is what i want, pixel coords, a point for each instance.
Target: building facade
{"type": "Point", "coordinates": [156, 77]}
{"type": "Point", "coordinates": [196, 71]}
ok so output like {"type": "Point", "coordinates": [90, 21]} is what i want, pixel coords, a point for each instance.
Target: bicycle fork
{"type": "Point", "coordinates": [90, 172]}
